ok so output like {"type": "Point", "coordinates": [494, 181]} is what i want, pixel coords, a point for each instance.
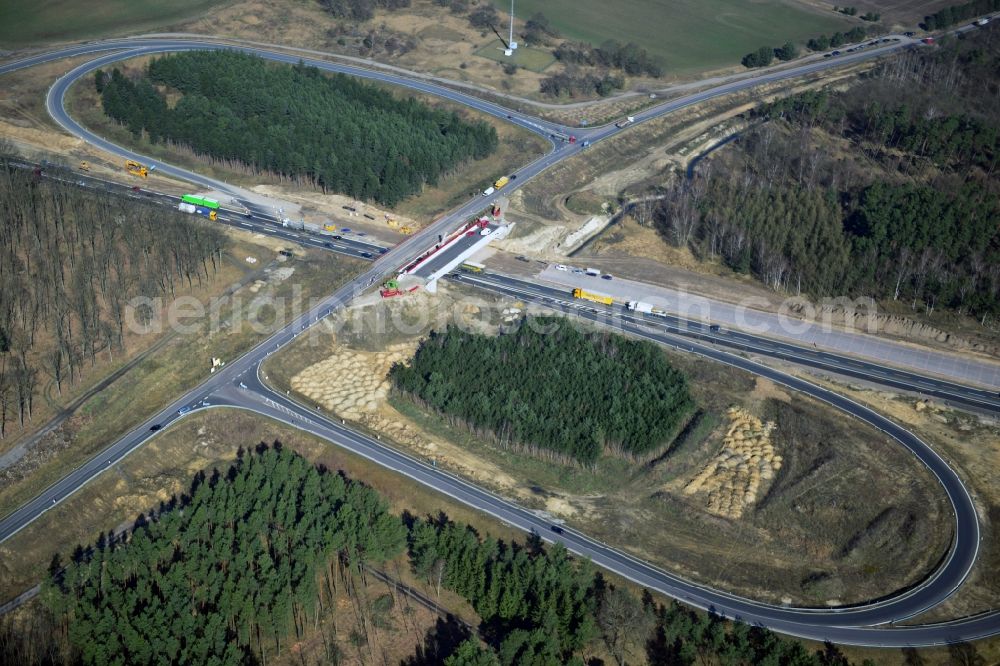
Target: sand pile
{"type": "Point", "coordinates": [349, 382]}
{"type": "Point", "coordinates": [733, 479]}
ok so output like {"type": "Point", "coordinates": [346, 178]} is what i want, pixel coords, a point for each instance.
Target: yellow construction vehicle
{"type": "Point", "coordinates": [391, 221]}
{"type": "Point", "coordinates": [85, 165]}
{"type": "Point", "coordinates": [406, 230]}
{"type": "Point", "coordinates": [329, 227]}
{"type": "Point", "coordinates": [136, 169]}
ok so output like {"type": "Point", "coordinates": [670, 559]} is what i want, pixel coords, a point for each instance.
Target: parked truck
{"type": "Point", "coordinates": [501, 182]}
{"type": "Point", "coordinates": [593, 296]}
{"type": "Point", "coordinates": [627, 120]}
{"type": "Point", "coordinates": [593, 272]}
{"type": "Point", "coordinates": [488, 191]}
{"type": "Point", "coordinates": [185, 207]}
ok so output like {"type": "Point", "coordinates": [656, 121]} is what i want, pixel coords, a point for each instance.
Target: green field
{"type": "Point", "coordinates": [24, 22]}
{"type": "Point", "coordinates": [536, 60]}
{"type": "Point", "coordinates": [688, 34]}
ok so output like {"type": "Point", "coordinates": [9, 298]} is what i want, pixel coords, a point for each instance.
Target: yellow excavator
{"type": "Point", "coordinates": [136, 169]}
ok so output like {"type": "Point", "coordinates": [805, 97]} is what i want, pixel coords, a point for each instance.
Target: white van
{"type": "Point", "coordinates": [488, 191]}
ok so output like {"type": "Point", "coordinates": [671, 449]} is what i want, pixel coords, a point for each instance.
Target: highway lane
{"type": "Point", "coordinates": [800, 619]}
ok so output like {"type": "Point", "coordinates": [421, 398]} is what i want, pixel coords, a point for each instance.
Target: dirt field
{"type": "Point", "coordinates": [972, 445]}
{"type": "Point", "coordinates": [845, 515]}
{"type": "Point", "coordinates": [904, 13]}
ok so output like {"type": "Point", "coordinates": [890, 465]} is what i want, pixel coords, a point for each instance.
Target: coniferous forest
{"type": "Point", "coordinates": [551, 389]}
{"type": "Point", "coordinates": [336, 132]}
{"type": "Point", "coordinates": [227, 573]}
{"type": "Point", "coordinates": [889, 190]}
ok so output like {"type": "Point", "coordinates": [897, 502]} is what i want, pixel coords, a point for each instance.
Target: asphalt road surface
{"type": "Point", "coordinates": [238, 385]}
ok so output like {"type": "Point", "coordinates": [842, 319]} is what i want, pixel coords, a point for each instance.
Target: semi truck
{"type": "Point", "coordinates": [593, 296]}
{"type": "Point", "coordinates": [501, 182]}
{"type": "Point", "coordinates": [644, 308]}
{"type": "Point", "coordinates": [185, 207]}
{"type": "Point", "coordinates": [627, 120]}
{"type": "Point", "coordinates": [593, 272]}
{"type": "Point", "coordinates": [301, 225]}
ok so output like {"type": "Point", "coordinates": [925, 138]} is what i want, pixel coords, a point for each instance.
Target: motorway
{"type": "Point", "coordinates": [238, 385]}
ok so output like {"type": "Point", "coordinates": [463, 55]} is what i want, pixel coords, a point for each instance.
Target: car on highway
{"type": "Point", "coordinates": [606, 277]}
{"type": "Point", "coordinates": [366, 255]}
{"type": "Point", "coordinates": [715, 328]}
{"type": "Point", "coordinates": [827, 55]}
{"type": "Point", "coordinates": [909, 34]}
{"type": "Point", "coordinates": [155, 427]}
{"type": "Point", "coordinates": [557, 529]}
{"type": "Point", "coordinates": [383, 250]}
{"type": "Point", "coordinates": [561, 267]}
{"type": "Point", "coordinates": [183, 410]}
{"type": "Point", "coordinates": [513, 176]}
{"type": "Point", "coordinates": [835, 53]}
{"type": "Point", "coordinates": [338, 237]}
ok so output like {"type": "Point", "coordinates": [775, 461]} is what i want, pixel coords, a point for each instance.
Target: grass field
{"type": "Point", "coordinates": [24, 22]}
{"type": "Point", "coordinates": [688, 34]}
{"type": "Point", "coordinates": [536, 60]}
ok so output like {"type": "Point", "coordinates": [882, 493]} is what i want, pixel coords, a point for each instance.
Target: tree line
{"type": "Point", "coordinates": [575, 82]}
{"type": "Point", "coordinates": [334, 132]}
{"type": "Point", "coordinates": [71, 260]}
{"type": "Point", "coordinates": [629, 58]}
{"type": "Point", "coordinates": [765, 55]}
{"type": "Point", "coordinates": [550, 389]}
{"type": "Point", "coordinates": [540, 607]}
{"type": "Point", "coordinates": [853, 11]}
{"type": "Point", "coordinates": [922, 227]}
{"type": "Point", "coordinates": [360, 10]}
{"type": "Point", "coordinates": [949, 16]}
{"type": "Point", "coordinates": [837, 39]}
{"type": "Point", "coordinates": [233, 570]}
